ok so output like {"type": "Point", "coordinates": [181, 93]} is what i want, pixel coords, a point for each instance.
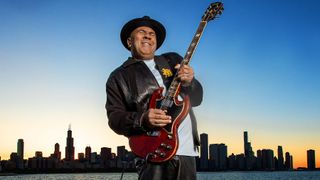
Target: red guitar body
{"type": "Point", "coordinates": [161, 144]}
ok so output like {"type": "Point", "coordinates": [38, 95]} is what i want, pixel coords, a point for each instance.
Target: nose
{"type": "Point", "coordinates": [147, 36]}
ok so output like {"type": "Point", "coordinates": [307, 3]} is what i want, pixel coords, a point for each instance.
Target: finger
{"type": "Point", "coordinates": [161, 125]}
{"type": "Point", "coordinates": [158, 111]}
{"type": "Point", "coordinates": [155, 114]}
{"type": "Point", "coordinates": [185, 73]}
{"type": "Point", "coordinates": [162, 117]}
{"type": "Point", "coordinates": [185, 81]}
{"type": "Point", "coordinates": [185, 77]}
{"type": "Point", "coordinates": [187, 69]}
{"type": "Point", "coordinates": [162, 122]}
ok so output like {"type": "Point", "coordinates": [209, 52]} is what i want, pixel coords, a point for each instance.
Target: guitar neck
{"type": "Point", "coordinates": [175, 84]}
{"type": "Point", "coordinates": [194, 43]}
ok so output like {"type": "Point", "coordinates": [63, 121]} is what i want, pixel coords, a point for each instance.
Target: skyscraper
{"type": "Point", "coordinates": [311, 158]}
{"type": "Point", "coordinates": [247, 146]}
{"type": "Point", "coordinates": [218, 155]}
{"type": "Point", "coordinates": [267, 159]}
{"type": "Point", "coordinates": [88, 153]}
{"type": "Point", "coordinates": [105, 156]}
{"type": "Point", "coordinates": [105, 151]}
{"type": "Point", "coordinates": [245, 139]}
{"type": "Point", "coordinates": [121, 152]}
{"type": "Point", "coordinates": [248, 153]}
{"type": "Point", "coordinates": [223, 155]}
{"type": "Point", "coordinates": [259, 160]}
{"type": "Point", "coordinates": [213, 157]}
{"type": "Point", "coordinates": [20, 148]}
{"type": "Point", "coordinates": [280, 158]}
{"type": "Point", "coordinates": [57, 153]}
{"type": "Point", "coordinates": [289, 161]}
{"type": "Point", "coordinates": [69, 147]}
{"type": "Point", "coordinates": [204, 151]}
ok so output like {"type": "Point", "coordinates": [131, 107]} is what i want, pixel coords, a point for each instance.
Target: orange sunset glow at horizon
{"type": "Point", "coordinates": [299, 155]}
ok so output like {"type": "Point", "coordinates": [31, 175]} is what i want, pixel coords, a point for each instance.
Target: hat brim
{"type": "Point", "coordinates": [144, 21]}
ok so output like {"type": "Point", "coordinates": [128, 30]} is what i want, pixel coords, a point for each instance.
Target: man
{"type": "Point", "coordinates": [130, 87]}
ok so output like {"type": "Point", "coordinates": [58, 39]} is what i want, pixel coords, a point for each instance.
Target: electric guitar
{"type": "Point", "coordinates": [160, 144]}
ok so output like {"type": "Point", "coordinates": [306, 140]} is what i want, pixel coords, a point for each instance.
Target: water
{"type": "Point", "coordinates": [285, 175]}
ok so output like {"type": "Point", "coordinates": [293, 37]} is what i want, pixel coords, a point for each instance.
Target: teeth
{"type": "Point", "coordinates": [146, 43]}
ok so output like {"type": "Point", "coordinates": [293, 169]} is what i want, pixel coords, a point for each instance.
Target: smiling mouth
{"type": "Point", "coordinates": [146, 43]}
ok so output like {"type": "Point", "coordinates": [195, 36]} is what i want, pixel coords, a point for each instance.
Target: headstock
{"type": "Point", "coordinates": [213, 11]}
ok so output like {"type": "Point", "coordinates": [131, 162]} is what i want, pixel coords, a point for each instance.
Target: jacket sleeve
{"type": "Point", "coordinates": [194, 91]}
{"type": "Point", "coordinates": [120, 119]}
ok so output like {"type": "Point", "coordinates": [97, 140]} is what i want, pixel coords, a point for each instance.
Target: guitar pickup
{"type": "Point", "coordinates": [153, 133]}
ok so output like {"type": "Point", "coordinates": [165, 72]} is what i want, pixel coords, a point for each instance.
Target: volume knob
{"type": "Point", "coordinates": [162, 154]}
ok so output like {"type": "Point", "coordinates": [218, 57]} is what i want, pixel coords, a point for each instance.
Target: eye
{"type": "Point", "coordinates": [142, 32]}
{"type": "Point", "coordinates": [152, 33]}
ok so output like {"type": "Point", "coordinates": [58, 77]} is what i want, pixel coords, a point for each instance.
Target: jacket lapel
{"type": "Point", "coordinates": [164, 69]}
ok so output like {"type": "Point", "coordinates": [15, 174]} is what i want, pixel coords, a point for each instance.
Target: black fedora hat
{"type": "Point", "coordinates": [144, 21]}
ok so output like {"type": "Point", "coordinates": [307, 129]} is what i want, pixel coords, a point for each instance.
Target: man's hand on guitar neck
{"type": "Point", "coordinates": [156, 118]}
{"type": "Point", "coordinates": [185, 74]}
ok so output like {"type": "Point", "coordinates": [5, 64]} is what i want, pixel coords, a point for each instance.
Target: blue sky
{"type": "Point", "coordinates": [258, 63]}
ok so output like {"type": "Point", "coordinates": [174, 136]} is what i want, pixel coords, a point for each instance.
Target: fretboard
{"type": "Point", "coordinates": [175, 84]}
{"type": "Point", "coordinates": [194, 43]}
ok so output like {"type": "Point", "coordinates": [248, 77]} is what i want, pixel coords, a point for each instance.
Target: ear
{"type": "Point", "coordinates": [129, 42]}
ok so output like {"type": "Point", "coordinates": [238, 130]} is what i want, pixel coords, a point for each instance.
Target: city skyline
{"type": "Point", "coordinates": [208, 151]}
{"type": "Point", "coordinates": [258, 64]}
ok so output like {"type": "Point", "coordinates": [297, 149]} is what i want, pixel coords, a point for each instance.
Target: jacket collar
{"type": "Point", "coordinates": [132, 60]}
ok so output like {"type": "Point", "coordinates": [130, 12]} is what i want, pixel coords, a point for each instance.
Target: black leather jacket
{"type": "Point", "coordinates": [129, 88]}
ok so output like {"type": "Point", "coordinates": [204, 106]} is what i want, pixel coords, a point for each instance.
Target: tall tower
{"type": "Point", "coordinates": [247, 146]}
{"type": "Point", "coordinates": [248, 153]}
{"type": "Point", "coordinates": [311, 159]}
{"type": "Point", "coordinates": [245, 140]}
{"type": "Point", "coordinates": [20, 148]}
{"type": "Point", "coordinates": [204, 151]}
{"type": "Point", "coordinates": [289, 161]}
{"type": "Point", "coordinates": [69, 147]}
{"type": "Point", "coordinates": [280, 158]}
{"type": "Point", "coordinates": [88, 153]}
{"type": "Point", "coordinates": [57, 153]}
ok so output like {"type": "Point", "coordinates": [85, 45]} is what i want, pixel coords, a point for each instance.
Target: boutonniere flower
{"type": "Point", "coordinates": [166, 72]}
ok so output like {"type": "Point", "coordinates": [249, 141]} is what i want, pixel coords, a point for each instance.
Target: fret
{"type": "Point", "coordinates": [194, 42]}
